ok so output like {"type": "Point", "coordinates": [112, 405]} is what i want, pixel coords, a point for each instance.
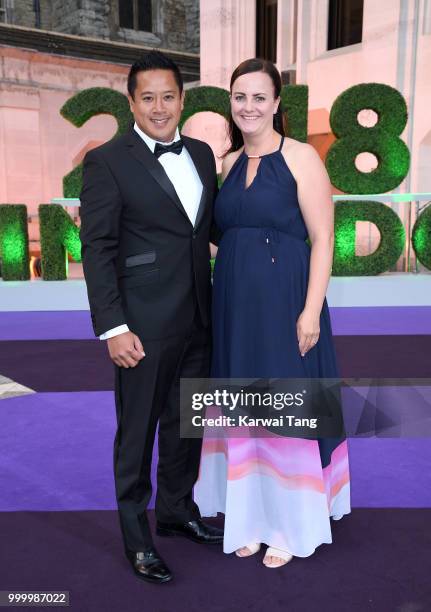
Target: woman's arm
{"type": "Point", "coordinates": [314, 196]}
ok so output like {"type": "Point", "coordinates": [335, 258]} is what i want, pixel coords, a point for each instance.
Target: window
{"type": "Point", "coordinates": [3, 11]}
{"type": "Point", "coordinates": [345, 23]}
{"type": "Point", "coordinates": [266, 29]}
{"type": "Point", "coordinates": [135, 15]}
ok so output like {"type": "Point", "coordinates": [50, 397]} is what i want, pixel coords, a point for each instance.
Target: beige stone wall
{"type": "Point", "coordinates": [395, 50]}
{"type": "Point", "coordinates": [37, 145]}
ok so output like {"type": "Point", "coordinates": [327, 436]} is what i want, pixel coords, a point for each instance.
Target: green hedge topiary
{"type": "Point", "coordinates": [294, 103]}
{"type": "Point", "coordinates": [79, 109]}
{"type": "Point", "coordinates": [101, 100]}
{"type": "Point", "coordinates": [421, 237]}
{"type": "Point", "coordinates": [15, 263]}
{"type": "Point", "coordinates": [392, 233]}
{"type": "Point", "coordinates": [205, 98]}
{"type": "Point", "coordinates": [58, 236]}
{"type": "Point", "coordinates": [382, 140]}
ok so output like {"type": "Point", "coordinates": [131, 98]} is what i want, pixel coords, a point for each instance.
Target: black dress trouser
{"type": "Point", "coordinates": [147, 395]}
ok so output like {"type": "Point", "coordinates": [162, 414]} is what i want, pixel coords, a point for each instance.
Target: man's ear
{"type": "Point", "coordinates": [131, 102]}
{"type": "Point", "coordinates": [183, 95]}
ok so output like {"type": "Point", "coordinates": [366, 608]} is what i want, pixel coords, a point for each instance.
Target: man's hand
{"type": "Point", "coordinates": [126, 350]}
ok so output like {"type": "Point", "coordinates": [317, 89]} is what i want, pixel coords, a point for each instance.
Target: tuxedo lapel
{"type": "Point", "coordinates": [202, 169]}
{"type": "Point", "coordinates": [142, 153]}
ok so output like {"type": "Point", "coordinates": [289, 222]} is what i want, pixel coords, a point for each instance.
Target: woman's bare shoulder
{"type": "Point", "coordinates": [229, 161]}
{"type": "Point", "coordinates": [301, 157]}
{"type": "Point", "coordinates": [298, 148]}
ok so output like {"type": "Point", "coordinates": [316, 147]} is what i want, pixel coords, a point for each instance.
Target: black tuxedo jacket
{"type": "Point", "coordinates": [144, 262]}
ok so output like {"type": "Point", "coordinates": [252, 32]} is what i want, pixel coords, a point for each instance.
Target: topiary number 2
{"type": "Point", "coordinates": [382, 139]}
{"type": "Point", "coordinates": [79, 109]}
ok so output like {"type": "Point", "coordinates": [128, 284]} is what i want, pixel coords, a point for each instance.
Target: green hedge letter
{"type": "Point", "coordinates": [205, 99]}
{"type": "Point", "coordinates": [14, 242]}
{"type": "Point", "coordinates": [421, 237]}
{"type": "Point", "coordinates": [58, 236]}
{"type": "Point", "coordinates": [392, 238]}
{"type": "Point", "coordinates": [294, 102]}
{"type": "Point", "coordinates": [79, 109]}
{"type": "Point", "coordinates": [382, 139]}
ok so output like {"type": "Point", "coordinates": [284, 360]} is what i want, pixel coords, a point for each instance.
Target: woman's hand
{"type": "Point", "coordinates": [308, 331]}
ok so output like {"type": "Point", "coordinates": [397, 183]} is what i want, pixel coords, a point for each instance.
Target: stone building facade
{"type": "Point", "coordinates": [52, 49]}
{"type": "Point", "coordinates": [169, 24]}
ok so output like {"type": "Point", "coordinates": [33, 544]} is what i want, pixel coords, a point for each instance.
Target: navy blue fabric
{"type": "Point", "coordinates": [260, 281]}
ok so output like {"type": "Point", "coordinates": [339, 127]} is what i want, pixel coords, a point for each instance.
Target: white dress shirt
{"type": "Point", "coordinates": [183, 175]}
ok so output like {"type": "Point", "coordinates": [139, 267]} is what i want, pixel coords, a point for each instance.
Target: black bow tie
{"type": "Point", "coordinates": [175, 147]}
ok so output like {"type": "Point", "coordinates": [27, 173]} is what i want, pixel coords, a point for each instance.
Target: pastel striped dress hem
{"type": "Point", "coordinates": [250, 472]}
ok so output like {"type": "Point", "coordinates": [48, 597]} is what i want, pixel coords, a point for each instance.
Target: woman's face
{"type": "Point", "coordinates": [252, 102]}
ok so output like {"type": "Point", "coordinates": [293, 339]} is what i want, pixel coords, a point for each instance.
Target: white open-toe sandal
{"type": "Point", "coordinates": [253, 548]}
{"type": "Point", "coordinates": [280, 554]}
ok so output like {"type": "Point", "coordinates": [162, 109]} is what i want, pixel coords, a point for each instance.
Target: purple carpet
{"type": "Point", "coordinates": [57, 455]}
{"type": "Point", "coordinates": [57, 503]}
{"type": "Point", "coordinates": [83, 365]}
{"type": "Point", "coordinates": [346, 321]}
{"type": "Point", "coordinates": [378, 561]}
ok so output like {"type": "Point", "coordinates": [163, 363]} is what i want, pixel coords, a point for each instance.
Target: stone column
{"type": "Point", "coordinates": [228, 37]}
{"type": "Point", "coordinates": [192, 26]}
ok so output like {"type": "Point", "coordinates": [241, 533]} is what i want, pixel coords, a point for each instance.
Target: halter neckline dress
{"type": "Point", "coordinates": [276, 490]}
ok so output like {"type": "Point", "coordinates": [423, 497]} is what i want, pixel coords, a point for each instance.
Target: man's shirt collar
{"type": "Point", "coordinates": [150, 142]}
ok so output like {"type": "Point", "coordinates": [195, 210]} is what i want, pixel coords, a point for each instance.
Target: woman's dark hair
{"type": "Point", "coordinates": [255, 65]}
{"type": "Point", "coordinates": [154, 60]}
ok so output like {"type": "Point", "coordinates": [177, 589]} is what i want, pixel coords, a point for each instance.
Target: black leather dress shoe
{"type": "Point", "coordinates": [149, 566]}
{"type": "Point", "coordinates": [197, 531]}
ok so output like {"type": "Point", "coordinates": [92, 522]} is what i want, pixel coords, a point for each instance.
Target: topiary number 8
{"type": "Point", "coordinates": [382, 139]}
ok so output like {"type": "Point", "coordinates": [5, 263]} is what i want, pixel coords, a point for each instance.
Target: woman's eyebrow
{"type": "Point", "coordinates": [241, 93]}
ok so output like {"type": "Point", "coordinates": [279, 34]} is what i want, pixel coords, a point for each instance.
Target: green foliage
{"type": "Point", "coordinates": [205, 98]}
{"type": "Point", "coordinates": [421, 237]}
{"type": "Point", "coordinates": [294, 103]}
{"type": "Point", "coordinates": [14, 242]}
{"type": "Point", "coordinates": [58, 236]}
{"type": "Point", "coordinates": [382, 139]}
{"type": "Point", "coordinates": [79, 109]}
{"type": "Point", "coordinates": [392, 238]}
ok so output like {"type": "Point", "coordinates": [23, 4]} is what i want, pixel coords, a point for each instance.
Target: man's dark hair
{"type": "Point", "coordinates": [154, 60]}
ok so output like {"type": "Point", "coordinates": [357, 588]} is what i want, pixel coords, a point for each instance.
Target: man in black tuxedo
{"type": "Point", "coordinates": [146, 217]}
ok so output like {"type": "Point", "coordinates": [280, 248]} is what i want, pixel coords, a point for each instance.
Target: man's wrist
{"type": "Point", "coordinates": [115, 331]}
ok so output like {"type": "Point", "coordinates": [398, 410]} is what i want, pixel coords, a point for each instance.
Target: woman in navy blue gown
{"type": "Point", "coordinates": [271, 320]}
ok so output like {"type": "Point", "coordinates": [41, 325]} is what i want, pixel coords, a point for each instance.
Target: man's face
{"type": "Point", "coordinates": [157, 104]}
